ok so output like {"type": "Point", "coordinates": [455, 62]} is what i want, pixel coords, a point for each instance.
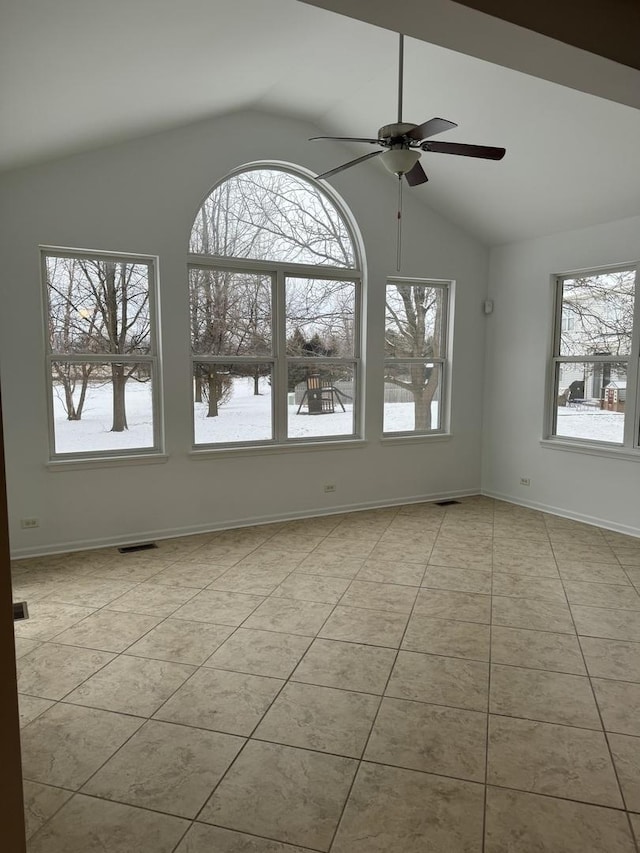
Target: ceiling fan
{"type": "Point", "coordinates": [402, 143]}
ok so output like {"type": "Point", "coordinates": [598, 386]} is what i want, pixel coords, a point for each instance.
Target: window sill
{"type": "Point", "coordinates": [258, 450]}
{"type": "Point", "coordinates": [106, 462]}
{"type": "Point", "coordinates": [608, 451]}
{"type": "Point", "coordinates": [417, 438]}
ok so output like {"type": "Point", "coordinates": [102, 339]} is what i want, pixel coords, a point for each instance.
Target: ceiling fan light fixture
{"type": "Point", "coordinates": [399, 161]}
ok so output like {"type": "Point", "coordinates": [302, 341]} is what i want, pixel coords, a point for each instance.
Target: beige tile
{"type": "Point", "coordinates": [221, 608]}
{"type": "Point", "coordinates": [31, 707]}
{"type": "Point", "coordinates": [549, 825]}
{"type": "Point", "coordinates": [503, 528]}
{"type": "Point", "coordinates": [230, 702]}
{"type": "Point", "coordinates": [133, 570]}
{"type": "Point", "coordinates": [88, 825]}
{"type": "Point", "coordinates": [279, 558]}
{"type": "Point", "coordinates": [25, 646]}
{"type": "Point", "coordinates": [93, 592]}
{"type": "Point", "coordinates": [628, 556]}
{"type": "Point", "coordinates": [535, 615]}
{"type": "Point", "coordinates": [153, 599]}
{"type": "Point", "coordinates": [301, 804]}
{"type": "Point", "coordinates": [320, 718]}
{"type": "Point", "coordinates": [522, 586]}
{"type": "Point", "coordinates": [461, 580]}
{"type": "Point", "coordinates": [386, 813]}
{"type": "Point", "coordinates": [166, 768]}
{"type": "Point", "coordinates": [108, 630]}
{"type": "Point", "coordinates": [619, 702]}
{"type": "Point", "coordinates": [412, 551]}
{"type": "Point", "coordinates": [330, 565]}
{"type": "Point", "coordinates": [593, 552]}
{"type": "Point", "coordinates": [296, 540]}
{"type": "Point", "coordinates": [626, 757]}
{"type": "Point", "coordinates": [131, 685]}
{"type": "Point", "coordinates": [65, 745]}
{"type": "Point", "coordinates": [359, 625]}
{"type": "Point", "coordinates": [536, 650]}
{"type": "Point", "coordinates": [252, 581]}
{"type": "Point", "coordinates": [41, 802]}
{"type": "Point", "coordinates": [48, 618]}
{"type": "Point", "coordinates": [181, 642]}
{"type": "Point", "coordinates": [602, 595]}
{"type": "Point", "coordinates": [447, 637]}
{"type": "Point", "coordinates": [553, 697]}
{"type": "Point", "coordinates": [260, 653]}
{"type": "Point", "coordinates": [392, 571]}
{"type": "Point", "coordinates": [202, 838]}
{"type": "Point", "coordinates": [326, 590]}
{"type": "Point", "coordinates": [349, 666]}
{"type": "Point", "coordinates": [544, 758]}
{"type": "Point", "coordinates": [445, 604]}
{"type": "Point", "coordinates": [289, 617]}
{"type": "Point", "coordinates": [380, 596]}
{"type": "Point", "coordinates": [51, 671]}
{"type": "Point", "coordinates": [440, 680]}
{"type": "Point", "coordinates": [578, 571]}
{"type": "Point", "coordinates": [505, 549]}
{"type": "Point", "coordinates": [432, 738]}
{"type": "Point", "coordinates": [189, 575]}
{"type": "Point", "coordinates": [615, 659]}
{"type": "Point", "coordinates": [462, 558]}
{"type": "Point", "coordinates": [608, 624]}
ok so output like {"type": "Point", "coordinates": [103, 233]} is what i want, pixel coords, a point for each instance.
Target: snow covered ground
{"type": "Point", "coordinates": [246, 417]}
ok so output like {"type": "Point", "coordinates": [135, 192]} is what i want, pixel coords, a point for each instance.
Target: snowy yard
{"type": "Point", "coordinates": [246, 417]}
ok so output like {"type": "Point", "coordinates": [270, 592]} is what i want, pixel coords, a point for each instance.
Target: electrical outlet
{"type": "Point", "coordinates": [29, 523]}
{"type": "Point", "coordinates": [525, 481]}
{"type": "Point", "coordinates": [329, 487]}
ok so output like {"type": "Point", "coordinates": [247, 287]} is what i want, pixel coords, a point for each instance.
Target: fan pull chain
{"type": "Point", "coordinates": [399, 237]}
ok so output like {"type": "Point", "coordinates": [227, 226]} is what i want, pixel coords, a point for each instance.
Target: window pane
{"type": "Point", "coordinates": [100, 407]}
{"type": "Point", "coordinates": [320, 317]}
{"type": "Point", "coordinates": [591, 400]}
{"type": "Point", "coordinates": [230, 312]}
{"type": "Point", "coordinates": [232, 403]}
{"type": "Point", "coordinates": [320, 400]}
{"type": "Point", "coordinates": [272, 215]}
{"type": "Point", "coordinates": [414, 321]}
{"type": "Point", "coordinates": [412, 394]}
{"type": "Point", "coordinates": [597, 314]}
{"type": "Point", "coordinates": [98, 306]}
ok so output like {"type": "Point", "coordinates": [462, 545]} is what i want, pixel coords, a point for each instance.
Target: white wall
{"type": "Point", "coordinates": [593, 488]}
{"type": "Point", "coordinates": [142, 197]}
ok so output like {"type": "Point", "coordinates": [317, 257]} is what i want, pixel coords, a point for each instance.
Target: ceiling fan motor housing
{"type": "Point", "coordinates": [396, 133]}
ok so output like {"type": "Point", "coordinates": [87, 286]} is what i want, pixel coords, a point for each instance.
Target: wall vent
{"type": "Point", "coordinates": [129, 549]}
{"type": "Point", "coordinates": [20, 610]}
{"type": "Point", "coordinates": [446, 503]}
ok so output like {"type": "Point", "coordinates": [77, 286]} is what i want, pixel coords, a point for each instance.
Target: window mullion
{"type": "Point", "coordinates": [280, 409]}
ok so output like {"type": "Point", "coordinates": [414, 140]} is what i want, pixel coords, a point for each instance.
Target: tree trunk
{"type": "Point", "coordinates": [256, 384]}
{"type": "Point", "coordinates": [198, 388]}
{"type": "Point", "coordinates": [214, 393]}
{"type": "Point", "coordinates": [422, 404]}
{"type": "Point", "coordinates": [119, 382]}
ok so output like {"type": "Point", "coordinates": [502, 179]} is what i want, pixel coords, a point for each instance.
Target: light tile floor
{"type": "Point", "coordinates": [461, 679]}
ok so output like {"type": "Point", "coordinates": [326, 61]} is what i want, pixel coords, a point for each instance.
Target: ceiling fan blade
{"type": "Point", "coordinates": [416, 176]}
{"type": "Point", "coordinates": [430, 128]}
{"type": "Point", "coordinates": [348, 165]}
{"type": "Point", "coordinates": [345, 139]}
{"type": "Point", "coordinates": [487, 152]}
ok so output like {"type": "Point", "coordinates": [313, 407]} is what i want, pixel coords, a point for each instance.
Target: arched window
{"type": "Point", "coordinates": [274, 285]}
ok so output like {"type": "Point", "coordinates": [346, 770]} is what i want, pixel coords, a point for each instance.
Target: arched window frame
{"type": "Point", "coordinates": [278, 272]}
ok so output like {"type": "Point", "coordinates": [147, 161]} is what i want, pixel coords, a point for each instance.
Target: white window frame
{"type": "Point", "coordinates": [630, 447]}
{"type": "Point", "coordinates": [280, 361]}
{"type": "Point", "coordinates": [152, 358]}
{"type": "Point", "coordinates": [444, 361]}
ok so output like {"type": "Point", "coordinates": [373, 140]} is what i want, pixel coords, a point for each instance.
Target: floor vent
{"type": "Point", "coordinates": [446, 503]}
{"type": "Point", "coordinates": [129, 549]}
{"type": "Point", "coordinates": [20, 610]}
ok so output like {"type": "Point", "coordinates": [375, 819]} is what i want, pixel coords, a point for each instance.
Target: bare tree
{"type": "Point", "coordinates": [413, 330]}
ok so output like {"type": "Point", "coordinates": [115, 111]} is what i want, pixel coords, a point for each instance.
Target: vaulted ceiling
{"type": "Point", "coordinates": [80, 74]}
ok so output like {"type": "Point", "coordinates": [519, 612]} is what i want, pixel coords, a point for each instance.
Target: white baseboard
{"type": "Point", "coordinates": [606, 523]}
{"type": "Point", "coordinates": [171, 533]}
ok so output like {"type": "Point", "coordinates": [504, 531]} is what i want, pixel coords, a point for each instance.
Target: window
{"type": "Point", "coordinates": [102, 363]}
{"type": "Point", "coordinates": [415, 356]}
{"type": "Point", "coordinates": [274, 285]}
{"type": "Point", "coordinates": [595, 358]}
